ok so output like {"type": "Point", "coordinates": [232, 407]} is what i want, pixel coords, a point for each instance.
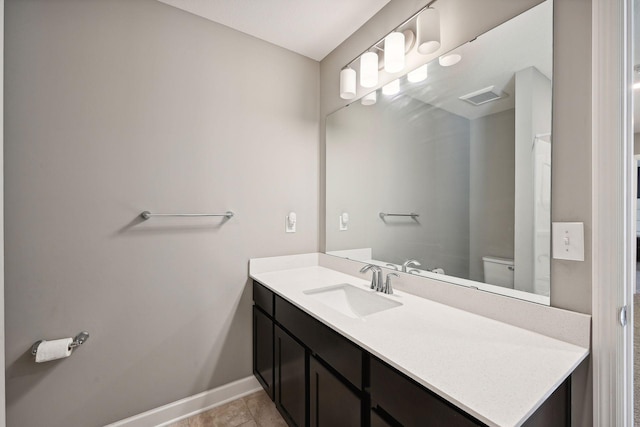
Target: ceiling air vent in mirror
{"type": "Point", "coordinates": [483, 96]}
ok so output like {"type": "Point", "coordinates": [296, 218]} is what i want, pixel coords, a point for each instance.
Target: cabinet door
{"type": "Point", "coordinates": [332, 404]}
{"type": "Point", "coordinates": [290, 379]}
{"type": "Point", "coordinates": [378, 421]}
{"type": "Point", "coordinates": [263, 350]}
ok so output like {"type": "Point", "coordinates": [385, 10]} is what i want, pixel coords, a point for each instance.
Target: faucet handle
{"type": "Point", "coordinates": [369, 267]}
{"type": "Point", "coordinates": [375, 279]}
{"type": "Point", "coordinates": [388, 289]}
{"type": "Point", "coordinates": [395, 267]}
{"type": "Point", "coordinates": [410, 263]}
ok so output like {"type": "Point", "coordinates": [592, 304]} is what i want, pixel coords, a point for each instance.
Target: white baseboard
{"type": "Point", "coordinates": [193, 405]}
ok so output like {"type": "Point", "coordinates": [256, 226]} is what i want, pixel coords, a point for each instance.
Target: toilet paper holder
{"type": "Point", "coordinates": [77, 342]}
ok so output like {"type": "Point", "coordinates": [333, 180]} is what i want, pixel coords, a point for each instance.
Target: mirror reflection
{"type": "Point", "coordinates": [449, 176]}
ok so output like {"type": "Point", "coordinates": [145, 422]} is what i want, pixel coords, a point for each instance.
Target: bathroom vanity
{"type": "Point", "coordinates": [331, 352]}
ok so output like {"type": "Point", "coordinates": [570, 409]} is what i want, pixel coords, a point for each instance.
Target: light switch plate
{"type": "Point", "coordinates": [568, 240]}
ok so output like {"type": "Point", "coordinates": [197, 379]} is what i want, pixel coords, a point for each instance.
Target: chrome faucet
{"type": "Point", "coordinates": [387, 288]}
{"type": "Point", "coordinates": [409, 263]}
{"type": "Point", "coordinates": [376, 279]}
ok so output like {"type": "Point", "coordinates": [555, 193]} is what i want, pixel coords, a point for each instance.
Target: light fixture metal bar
{"type": "Point", "coordinates": [375, 45]}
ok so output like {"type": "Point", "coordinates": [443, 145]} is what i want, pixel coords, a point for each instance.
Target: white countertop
{"type": "Point", "coordinates": [496, 372]}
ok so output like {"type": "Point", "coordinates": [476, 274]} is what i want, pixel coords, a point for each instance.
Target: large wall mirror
{"type": "Point", "coordinates": [453, 172]}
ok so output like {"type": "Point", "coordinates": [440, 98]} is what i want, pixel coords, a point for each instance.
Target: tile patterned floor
{"type": "Point", "coordinates": [254, 410]}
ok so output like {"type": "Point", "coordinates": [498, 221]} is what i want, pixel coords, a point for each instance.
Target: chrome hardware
{"type": "Point", "coordinates": [395, 267]}
{"type": "Point", "coordinates": [388, 289]}
{"type": "Point", "coordinates": [623, 316]}
{"type": "Point", "coordinates": [376, 278]}
{"type": "Point", "coordinates": [412, 214]}
{"type": "Point", "coordinates": [77, 342]}
{"type": "Point", "coordinates": [414, 271]}
{"type": "Point", "coordinates": [147, 214]}
{"type": "Point", "coordinates": [409, 263]}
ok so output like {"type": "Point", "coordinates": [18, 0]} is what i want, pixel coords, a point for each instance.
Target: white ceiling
{"type": "Point", "coordinates": [312, 28]}
{"type": "Point", "coordinates": [491, 60]}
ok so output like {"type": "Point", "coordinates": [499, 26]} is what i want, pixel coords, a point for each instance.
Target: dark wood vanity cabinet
{"type": "Point", "coordinates": [410, 404]}
{"type": "Point", "coordinates": [555, 411]}
{"type": "Point", "coordinates": [318, 378]}
{"type": "Point", "coordinates": [263, 349]}
{"type": "Point", "coordinates": [316, 374]}
{"type": "Point", "coordinates": [331, 402]}
{"type": "Point", "coordinates": [378, 421]}
{"type": "Point", "coordinates": [290, 378]}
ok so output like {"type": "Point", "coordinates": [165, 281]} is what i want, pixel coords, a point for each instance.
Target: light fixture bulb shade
{"type": "Point", "coordinates": [394, 52]}
{"type": "Point", "coordinates": [449, 60]}
{"type": "Point", "coordinates": [369, 69]}
{"type": "Point", "coordinates": [369, 99]}
{"type": "Point", "coordinates": [428, 36]}
{"type": "Point", "coordinates": [391, 88]}
{"type": "Point", "coordinates": [347, 83]}
{"type": "Point", "coordinates": [418, 75]}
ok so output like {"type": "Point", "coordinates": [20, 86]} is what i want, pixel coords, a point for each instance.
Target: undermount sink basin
{"type": "Point", "coordinates": [351, 300]}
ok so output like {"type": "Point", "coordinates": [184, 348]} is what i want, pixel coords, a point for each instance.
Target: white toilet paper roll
{"type": "Point", "coordinates": [52, 350]}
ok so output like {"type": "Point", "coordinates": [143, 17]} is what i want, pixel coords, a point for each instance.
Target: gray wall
{"type": "Point", "coordinates": [492, 188]}
{"type": "Point", "coordinates": [571, 173]}
{"type": "Point", "coordinates": [400, 155]}
{"type": "Point", "coordinates": [111, 108]}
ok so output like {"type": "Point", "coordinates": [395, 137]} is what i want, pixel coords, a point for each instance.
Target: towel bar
{"type": "Point", "coordinates": [147, 214]}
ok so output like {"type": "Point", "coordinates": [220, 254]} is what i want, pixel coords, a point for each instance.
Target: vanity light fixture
{"type": "Point", "coordinates": [394, 52]}
{"type": "Point", "coordinates": [395, 45]}
{"type": "Point", "coordinates": [369, 69]}
{"type": "Point", "coordinates": [347, 83]}
{"type": "Point", "coordinates": [418, 75]}
{"type": "Point", "coordinates": [391, 88]}
{"type": "Point", "coordinates": [369, 99]}
{"type": "Point", "coordinates": [449, 60]}
{"type": "Point", "coordinates": [428, 29]}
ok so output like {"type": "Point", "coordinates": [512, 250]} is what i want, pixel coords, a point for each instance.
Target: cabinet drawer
{"type": "Point", "coordinates": [410, 404]}
{"type": "Point", "coordinates": [328, 345]}
{"type": "Point", "coordinates": [263, 298]}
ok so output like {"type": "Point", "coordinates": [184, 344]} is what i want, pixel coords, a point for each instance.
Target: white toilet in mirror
{"type": "Point", "coordinates": [498, 271]}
